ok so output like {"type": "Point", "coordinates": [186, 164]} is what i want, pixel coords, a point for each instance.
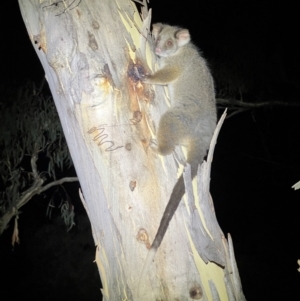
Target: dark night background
{"type": "Point", "coordinates": [250, 45]}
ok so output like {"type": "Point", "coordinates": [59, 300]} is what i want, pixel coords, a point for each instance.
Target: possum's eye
{"type": "Point", "coordinates": [169, 43]}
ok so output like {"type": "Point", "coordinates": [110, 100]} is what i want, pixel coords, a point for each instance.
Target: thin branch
{"type": "Point", "coordinates": [58, 182]}
{"type": "Point", "coordinates": [27, 196]}
{"type": "Point", "coordinates": [241, 104]}
{"type": "Point", "coordinates": [237, 112]}
{"type": "Point", "coordinates": [37, 189]}
{"type": "Point", "coordinates": [33, 160]}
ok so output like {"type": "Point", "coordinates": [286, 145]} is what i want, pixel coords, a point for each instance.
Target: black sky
{"type": "Point", "coordinates": [255, 163]}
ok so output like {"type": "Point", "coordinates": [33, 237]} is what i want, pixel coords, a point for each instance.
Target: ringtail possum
{"type": "Point", "coordinates": [191, 119]}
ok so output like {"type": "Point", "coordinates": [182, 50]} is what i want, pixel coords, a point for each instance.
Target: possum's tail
{"type": "Point", "coordinates": [195, 157]}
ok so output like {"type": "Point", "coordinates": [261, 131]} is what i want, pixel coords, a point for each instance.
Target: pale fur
{"type": "Point", "coordinates": [191, 119]}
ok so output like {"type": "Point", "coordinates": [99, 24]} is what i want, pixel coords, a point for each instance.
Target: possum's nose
{"type": "Point", "coordinates": [157, 50]}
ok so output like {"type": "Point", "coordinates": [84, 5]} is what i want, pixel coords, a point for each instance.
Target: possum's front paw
{"type": "Point", "coordinates": [141, 73]}
{"type": "Point", "coordinates": [137, 72]}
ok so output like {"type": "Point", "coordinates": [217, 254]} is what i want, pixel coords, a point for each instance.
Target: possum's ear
{"type": "Point", "coordinates": [182, 36]}
{"type": "Point", "coordinates": [156, 29]}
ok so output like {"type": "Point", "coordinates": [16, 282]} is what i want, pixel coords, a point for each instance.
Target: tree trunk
{"type": "Point", "coordinates": [89, 50]}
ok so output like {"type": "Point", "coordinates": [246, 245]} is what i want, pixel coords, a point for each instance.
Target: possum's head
{"type": "Point", "coordinates": [168, 39]}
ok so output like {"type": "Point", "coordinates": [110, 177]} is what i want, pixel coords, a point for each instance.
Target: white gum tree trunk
{"type": "Point", "coordinates": [87, 49]}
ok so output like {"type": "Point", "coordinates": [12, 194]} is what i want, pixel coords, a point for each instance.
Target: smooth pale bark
{"type": "Point", "coordinates": [87, 49]}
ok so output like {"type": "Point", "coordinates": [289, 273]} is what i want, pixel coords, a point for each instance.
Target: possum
{"type": "Point", "coordinates": [191, 119]}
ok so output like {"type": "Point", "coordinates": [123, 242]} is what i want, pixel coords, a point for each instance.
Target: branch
{"type": "Point", "coordinates": [241, 106]}
{"type": "Point", "coordinates": [33, 160]}
{"type": "Point", "coordinates": [27, 196]}
{"type": "Point", "coordinates": [58, 182]}
{"type": "Point", "coordinates": [249, 105]}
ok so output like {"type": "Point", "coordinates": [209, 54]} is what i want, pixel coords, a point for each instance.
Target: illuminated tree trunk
{"type": "Point", "coordinates": [88, 50]}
